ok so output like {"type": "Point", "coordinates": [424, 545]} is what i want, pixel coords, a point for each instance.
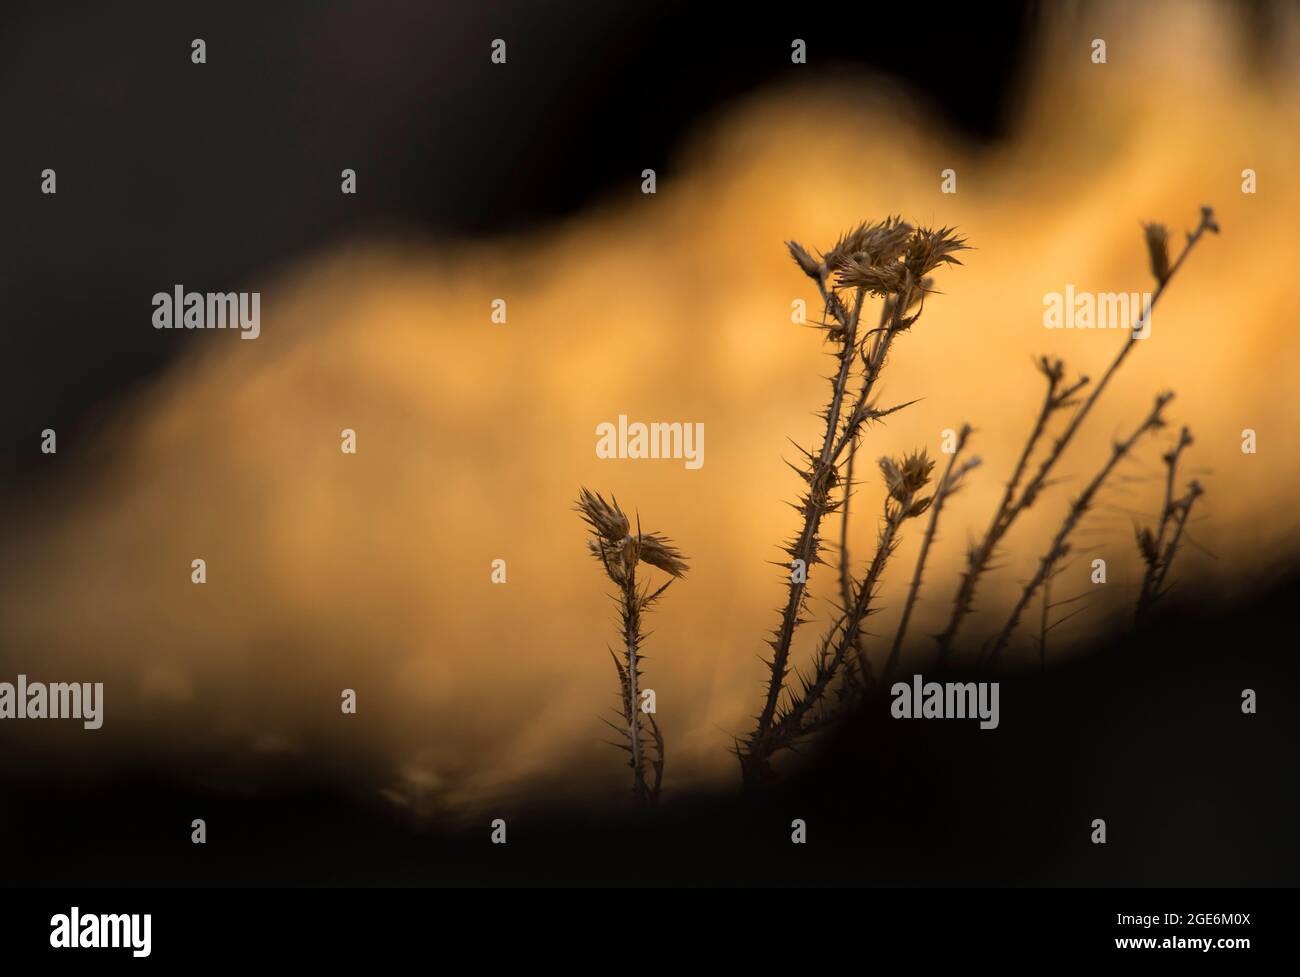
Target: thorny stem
{"type": "Point", "coordinates": [846, 571]}
{"type": "Point", "coordinates": [791, 726]}
{"type": "Point", "coordinates": [1059, 546]}
{"type": "Point", "coordinates": [884, 550]}
{"type": "Point", "coordinates": [632, 639]}
{"type": "Point", "coordinates": [1184, 512]}
{"type": "Point", "coordinates": [1173, 512]}
{"type": "Point", "coordinates": [946, 486]}
{"type": "Point", "coordinates": [760, 745]}
{"type": "Point", "coordinates": [874, 362]}
{"type": "Point", "coordinates": [818, 496]}
{"type": "Point", "coordinates": [620, 552]}
{"type": "Point", "coordinates": [1171, 470]}
{"type": "Point", "coordinates": [1042, 625]}
{"type": "Point", "coordinates": [659, 757]}
{"type": "Point", "coordinates": [846, 574]}
{"type": "Point", "coordinates": [1007, 512]}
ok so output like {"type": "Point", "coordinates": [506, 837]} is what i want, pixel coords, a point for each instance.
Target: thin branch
{"type": "Point", "coordinates": [1156, 554]}
{"type": "Point", "coordinates": [905, 479]}
{"type": "Point", "coordinates": [815, 505]}
{"type": "Point", "coordinates": [948, 485]}
{"type": "Point", "coordinates": [1060, 543]}
{"type": "Point", "coordinates": [979, 557]}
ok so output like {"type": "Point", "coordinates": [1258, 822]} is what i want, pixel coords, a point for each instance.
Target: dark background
{"type": "Point", "coordinates": [171, 172]}
{"type": "Point", "coordinates": [204, 174]}
{"type": "Point", "coordinates": [1146, 733]}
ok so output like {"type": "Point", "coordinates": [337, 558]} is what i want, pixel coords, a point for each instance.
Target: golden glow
{"type": "Point", "coordinates": [371, 572]}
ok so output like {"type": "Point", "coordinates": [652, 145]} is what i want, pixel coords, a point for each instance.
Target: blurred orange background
{"type": "Point", "coordinates": [372, 572]}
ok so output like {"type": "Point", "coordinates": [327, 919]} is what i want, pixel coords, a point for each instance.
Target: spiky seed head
{"type": "Point", "coordinates": [613, 544]}
{"type": "Point", "coordinates": [810, 265]}
{"type": "Point", "coordinates": [893, 474]}
{"type": "Point", "coordinates": [610, 555]}
{"type": "Point", "coordinates": [1207, 218]}
{"type": "Point", "coordinates": [658, 551]}
{"type": "Point", "coordinates": [871, 243]}
{"type": "Point", "coordinates": [1157, 238]}
{"type": "Point", "coordinates": [1146, 542]}
{"type": "Point", "coordinates": [928, 248]}
{"type": "Point", "coordinates": [606, 519]}
{"type": "Point", "coordinates": [885, 242]}
{"type": "Point", "coordinates": [906, 476]}
{"type": "Point", "coordinates": [877, 279]}
{"type": "Point", "coordinates": [1054, 370]}
{"type": "Point", "coordinates": [891, 258]}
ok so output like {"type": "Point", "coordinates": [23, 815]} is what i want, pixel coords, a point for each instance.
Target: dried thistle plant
{"type": "Point", "coordinates": [620, 551]}
{"type": "Point", "coordinates": [1157, 238]}
{"type": "Point", "coordinates": [1157, 554]}
{"type": "Point", "coordinates": [809, 710]}
{"type": "Point", "coordinates": [1060, 396]}
{"type": "Point", "coordinates": [949, 484]}
{"type": "Point", "coordinates": [845, 561]}
{"type": "Point", "coordinates": [1060, 545]}
{"type": "Point", "coordinates": [891, 260]}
